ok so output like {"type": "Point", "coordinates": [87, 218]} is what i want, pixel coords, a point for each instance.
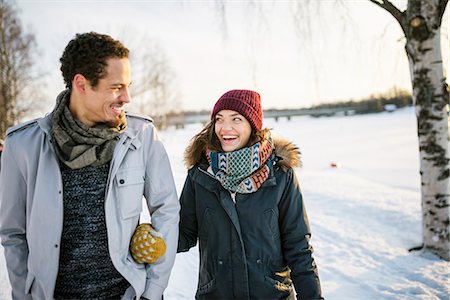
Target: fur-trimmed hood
{"type": "Point", "coordinates": [287, 152]}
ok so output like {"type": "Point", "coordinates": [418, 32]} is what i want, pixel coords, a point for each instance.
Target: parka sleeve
{"type": "Point", "coordinates": [295, 234]}
{"type": "Point", "coordinates": [188, 217]}
{"type": "Point", "coordinates": [13, 221]}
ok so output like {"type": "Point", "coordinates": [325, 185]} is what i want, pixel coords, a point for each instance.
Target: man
{"type": "Point", "coordinates": [74, 182]}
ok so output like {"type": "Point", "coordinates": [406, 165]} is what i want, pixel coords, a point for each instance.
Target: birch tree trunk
{"type": "Point", "coordinates": [421, 24]}
{"type": "Point", "coordinates": [431, 98]}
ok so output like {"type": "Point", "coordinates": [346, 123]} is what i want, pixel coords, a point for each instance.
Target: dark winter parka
{"type": "Point", "coordinates": [256, 247]}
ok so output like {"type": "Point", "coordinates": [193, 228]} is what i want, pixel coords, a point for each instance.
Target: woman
{"type": "Point", "coordinates": [242, 201]}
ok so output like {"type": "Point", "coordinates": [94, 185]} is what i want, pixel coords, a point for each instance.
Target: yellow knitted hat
{"type": "Point", "coordinates": [147, 245]}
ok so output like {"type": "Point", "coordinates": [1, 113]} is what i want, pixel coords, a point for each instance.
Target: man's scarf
{"type": "Point", "coordinates": [78, 145]}
{"type": "Point", "coordinates": [244, 170]}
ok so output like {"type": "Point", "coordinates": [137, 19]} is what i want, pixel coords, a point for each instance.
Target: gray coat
{"type": "Point", "coordinates": [31, 207]}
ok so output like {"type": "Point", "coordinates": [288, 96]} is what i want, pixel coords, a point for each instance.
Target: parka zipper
{"type": "Point", "coordinates": [207, 173]}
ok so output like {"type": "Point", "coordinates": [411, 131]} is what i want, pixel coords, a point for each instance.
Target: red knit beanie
{"type": "Point", "coordinates": [245, 102]}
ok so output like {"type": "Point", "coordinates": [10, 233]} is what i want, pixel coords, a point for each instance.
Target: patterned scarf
{"type": "Point", "coordinates": [245, 170]}
{"type": "Point", "coordinates": [78, 145]}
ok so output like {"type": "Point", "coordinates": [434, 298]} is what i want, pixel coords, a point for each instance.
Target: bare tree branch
{"type": "Point", "coordinates": [394, 11]}
{"type": "Point", "coordinates": [441, 9]}
{"type": "Point", "coordinates": [16, 66]}
{"type": "Point", "coordinates": [221, 15]}
{"type": "Point", "coordinates": [154, 89]}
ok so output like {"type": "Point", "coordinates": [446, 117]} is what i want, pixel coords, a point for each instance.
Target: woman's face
{"type": "Point", "coordinates": [232, 129]}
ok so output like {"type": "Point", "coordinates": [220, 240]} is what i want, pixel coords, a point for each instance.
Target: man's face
{"type": "Point", "coordinates": [104, 103]}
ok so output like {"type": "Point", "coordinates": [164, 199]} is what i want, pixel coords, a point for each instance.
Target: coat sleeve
{"type": "Point", "coordinates": [188, 217]}
{"type": "Point", "coordinates": [162, 201]}
{"type": "Point", "coordinates": [13, 221]}
{"type": "Point", "coordinates": [295, 234]}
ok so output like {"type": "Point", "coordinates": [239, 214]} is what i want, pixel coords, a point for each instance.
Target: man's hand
{"type": "Point", "coordinates": [147, 245]}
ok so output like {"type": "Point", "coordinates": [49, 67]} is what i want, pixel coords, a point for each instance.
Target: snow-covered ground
{"type": "Point", "coordinates": [364, 215]}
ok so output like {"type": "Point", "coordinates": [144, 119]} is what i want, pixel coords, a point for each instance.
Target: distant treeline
{"type": "Point", "coordinates": [375, 103]}
{"type": "Point", "coordinates": [388, 101]}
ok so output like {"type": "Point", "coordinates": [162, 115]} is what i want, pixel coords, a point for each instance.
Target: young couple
{"type": "Point", "coordinates": [71, 185]}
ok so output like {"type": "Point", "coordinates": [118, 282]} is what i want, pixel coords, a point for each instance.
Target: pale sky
{"type": "Point", "coordinates": [336, 60]}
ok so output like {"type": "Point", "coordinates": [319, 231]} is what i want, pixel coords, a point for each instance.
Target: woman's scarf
{"type": "Point", "coordinates": [78, 145]}
{"type": "Point", "coordinates": [245, 170]}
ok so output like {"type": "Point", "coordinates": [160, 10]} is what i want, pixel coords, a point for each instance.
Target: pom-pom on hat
{"type": "Point", "coordinates": [245, 102]}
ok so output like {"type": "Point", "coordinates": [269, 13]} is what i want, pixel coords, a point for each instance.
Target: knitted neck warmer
{"type": "Point", "coordinates": [245, 170]}
{"type": "Point", "coordinates": [78, 145]}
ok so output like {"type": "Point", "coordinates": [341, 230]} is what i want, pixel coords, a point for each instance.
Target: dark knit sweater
{"type": "Point", "coordinates": [85, 267]}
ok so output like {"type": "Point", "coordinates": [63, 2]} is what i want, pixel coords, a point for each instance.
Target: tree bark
{"type": "Point", "coordinates": [421, 23]}
{"type": "Point", "coordinates": [431, 96]}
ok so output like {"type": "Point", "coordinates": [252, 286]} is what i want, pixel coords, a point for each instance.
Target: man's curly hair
{"type": "Point", "coordinates": [87, 54]}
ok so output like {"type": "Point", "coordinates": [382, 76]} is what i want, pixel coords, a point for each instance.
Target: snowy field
{"type": "Point", "coordinates": [364, 215]}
